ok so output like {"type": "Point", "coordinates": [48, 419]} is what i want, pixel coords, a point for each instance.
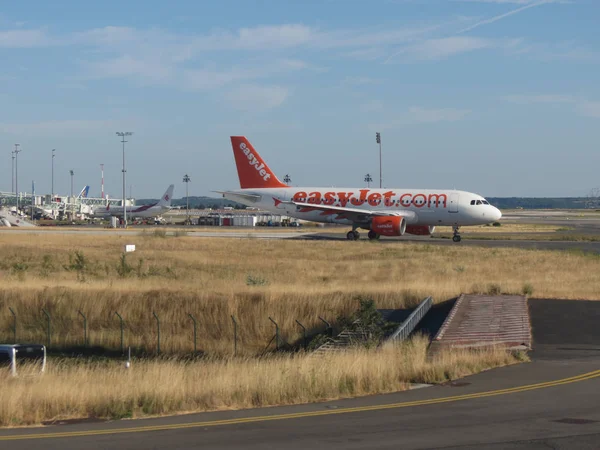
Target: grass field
{"type": "Point", "coordinates": [72, 389]}
{"type": "Point", "coordinates": [213, 279]}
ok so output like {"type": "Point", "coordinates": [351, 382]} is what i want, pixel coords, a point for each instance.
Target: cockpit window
{"type": "Point", "coordinates": [472, 202]}
{"type": "Point", "coordinates": [478, 202]}
{"type": "Point", "coordinates": [484, 202]}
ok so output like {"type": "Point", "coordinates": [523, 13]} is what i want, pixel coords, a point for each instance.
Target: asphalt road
{"type": "Point", "coordinates": [551, 402]}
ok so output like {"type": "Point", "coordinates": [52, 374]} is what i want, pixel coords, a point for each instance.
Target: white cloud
{"type": "Point", "coordinates": [582, 106]}
{"type": "Point", "coordinates": [156, 71]}
{"type": "Point", "coordinates": [25, 39]}
{"type": "Point", "coordinates": [514, 2]}
{"type": "Point", "coordinates": [541, 98]}
{"type": "Point", "coordinates": [259, 38]}
{"type": "Point", "coordinates": [372, 106]}
{"type": "Point", "coordinates": [589, 109]}
{"type": "Point", "coordinates": [58, 127]}
{"type": "Point", "coordinates": [427, 115]}
{"type": "Point", "coordinates": [256, 98]}
{"type": "Point", "coordinates": [359, 81]}
{"type": "Point", "coordinates": [420, 115]}
{"type": "Point", "coordinates": [128, 66]}
{"type": "Point", "coordinates": [434, 49]}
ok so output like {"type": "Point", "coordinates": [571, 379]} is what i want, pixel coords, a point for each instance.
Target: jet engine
{"type": "Point", "coordinates": [388, 225]}
{"type": "Point", "coordinates": [420, 230]}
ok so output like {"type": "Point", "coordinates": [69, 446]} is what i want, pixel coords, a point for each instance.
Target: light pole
{"type": "Point", "coordinates": [368, 179]}
{"type": "Point", "coordinates": [186, 180]}
{"type": "Point", "coordinates": [32, 197]}
{"type": "Point", "coordinates": [52, 197]}
{"type": "Point", "coordinates": [12, 173]}
{"type": "Point", "coordinates": [72, 173]}
{"type": "Point", "coordinates": [17, 151]}
{"type": "Point", "coordinates": [102, 184]}
{"type": "Point", "coordinates": [123, 134]}
{"type": "Point", "coordinates": [378, 140]}
{"type": "Point", "coordinates": [287, 179]}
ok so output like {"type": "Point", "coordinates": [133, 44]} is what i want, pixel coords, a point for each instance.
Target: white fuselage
{"type": "Point", "coordinates": [144, 211]}
{"type": "Point", "coordinates": [419, 206]}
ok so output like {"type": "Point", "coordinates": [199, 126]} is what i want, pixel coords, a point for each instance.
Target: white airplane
{"type": "Point", "coordinates": [145, 211]}
{"type": "Point", "coordinates": [384, 212]}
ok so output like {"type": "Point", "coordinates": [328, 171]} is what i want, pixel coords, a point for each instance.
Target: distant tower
{"type": "Point", "coordinates": [287, 179]}
{"type": "Point", "coordinates": [102, 170]}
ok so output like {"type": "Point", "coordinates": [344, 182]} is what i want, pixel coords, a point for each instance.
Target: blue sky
{"type": "Point", "coordinates": [498, 97]}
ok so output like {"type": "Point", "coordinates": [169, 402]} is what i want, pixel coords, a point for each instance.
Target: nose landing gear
{"type": "Point", "coordinates": [456, 236]}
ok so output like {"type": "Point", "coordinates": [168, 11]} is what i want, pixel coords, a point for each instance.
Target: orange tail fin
{"type": "Point", "coordinates": [252, 170]}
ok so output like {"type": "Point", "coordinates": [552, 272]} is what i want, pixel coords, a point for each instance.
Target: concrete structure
{"type": "Point", "coordinates": [480, 320]}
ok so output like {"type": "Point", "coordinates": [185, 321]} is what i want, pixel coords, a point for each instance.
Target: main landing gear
{"type": "Point", "coordinates": [456, 237]}
{"type": "Point", "coordinates": [373, 236]}
{"type": "Point", "coordinates": [353, 235]}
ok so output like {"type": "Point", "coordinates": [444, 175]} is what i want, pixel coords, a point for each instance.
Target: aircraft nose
{"type": "Point", "coordinates": [497, 214]}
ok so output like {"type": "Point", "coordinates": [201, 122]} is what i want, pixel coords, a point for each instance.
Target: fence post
{"type": "Point", "coordinates": [158, 329]}
{"type": "Point", "coordinates": [276, 334]}
{"type": "Point", "coordinates": [48, 330]}
{"type": "Point", "coordinates": [303, 333]}
{"type": "Point", "coordinates": [328, 329]}
{"type": "Point", "coordinates": [234, 336]}
{"type": "Point", "coordinates": [194, 320]}
{"type": "Point", "coordinates": [14, 325]}
{"type": "Point", "coordinates": [121, 319]}
{"type": "Point", "coordinates": [85, 339]}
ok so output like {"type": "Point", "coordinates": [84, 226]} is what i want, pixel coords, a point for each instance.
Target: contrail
{"type": "Point", "coordinates": [502, 16]}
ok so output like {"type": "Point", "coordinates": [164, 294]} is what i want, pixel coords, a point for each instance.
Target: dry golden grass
{"type": "Point", "coordinates": [253, 280]}
{"type": "Point", "coordinates": [108, 390]}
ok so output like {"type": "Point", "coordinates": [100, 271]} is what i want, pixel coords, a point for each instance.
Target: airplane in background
{"type": "Point", "coordinates": [144, 211]}
{"type": "Point", "coordinates": [84, 192]}
{"type": "Point", "coordinates": [384, 212]}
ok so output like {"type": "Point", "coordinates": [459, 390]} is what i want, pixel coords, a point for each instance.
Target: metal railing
{"type": "Point", "coordinates": [407, 327]}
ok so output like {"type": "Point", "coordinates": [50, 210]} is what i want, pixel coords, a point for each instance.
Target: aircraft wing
{"type": "Point", "coordinates": [354, 214]}
{"type": "Point", "coordinates": [239, 196]}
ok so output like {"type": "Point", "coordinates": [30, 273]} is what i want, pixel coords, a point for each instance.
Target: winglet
{"type": "Point", "coordinates": [252, 170]}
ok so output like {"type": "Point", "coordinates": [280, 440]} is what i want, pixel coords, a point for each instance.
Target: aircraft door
{"type": "Point", "coordinates": [453, 206]}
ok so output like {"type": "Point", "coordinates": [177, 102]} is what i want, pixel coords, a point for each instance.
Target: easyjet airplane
{"type": "Point", "coordinates": [384, 212]}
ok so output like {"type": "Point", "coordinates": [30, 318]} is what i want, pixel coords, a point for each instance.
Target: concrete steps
{"type": "Point", "coordinates": [483, 320]}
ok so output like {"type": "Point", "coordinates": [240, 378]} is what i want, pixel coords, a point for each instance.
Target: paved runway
{"type": "Point", "coordinates": [588, 246]}
{"type": "Point", "coordinates": [551, 402]}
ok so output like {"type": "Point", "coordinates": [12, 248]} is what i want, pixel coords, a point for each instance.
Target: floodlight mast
{"type": "Point", "coordinates": [17, 151]}
{"type": "Point", "coordinates": [12, 173]}
{"type": "Point", "coordinates": [378, 140]}
{"type": "Point", "coordinates": [186, 180]}
{"type": "Point", "coordinates": [71, 172]}
{"type": "Point", "coordinates": [52, 196]}
{"type": "Point", "coordinates": [122, 134]}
